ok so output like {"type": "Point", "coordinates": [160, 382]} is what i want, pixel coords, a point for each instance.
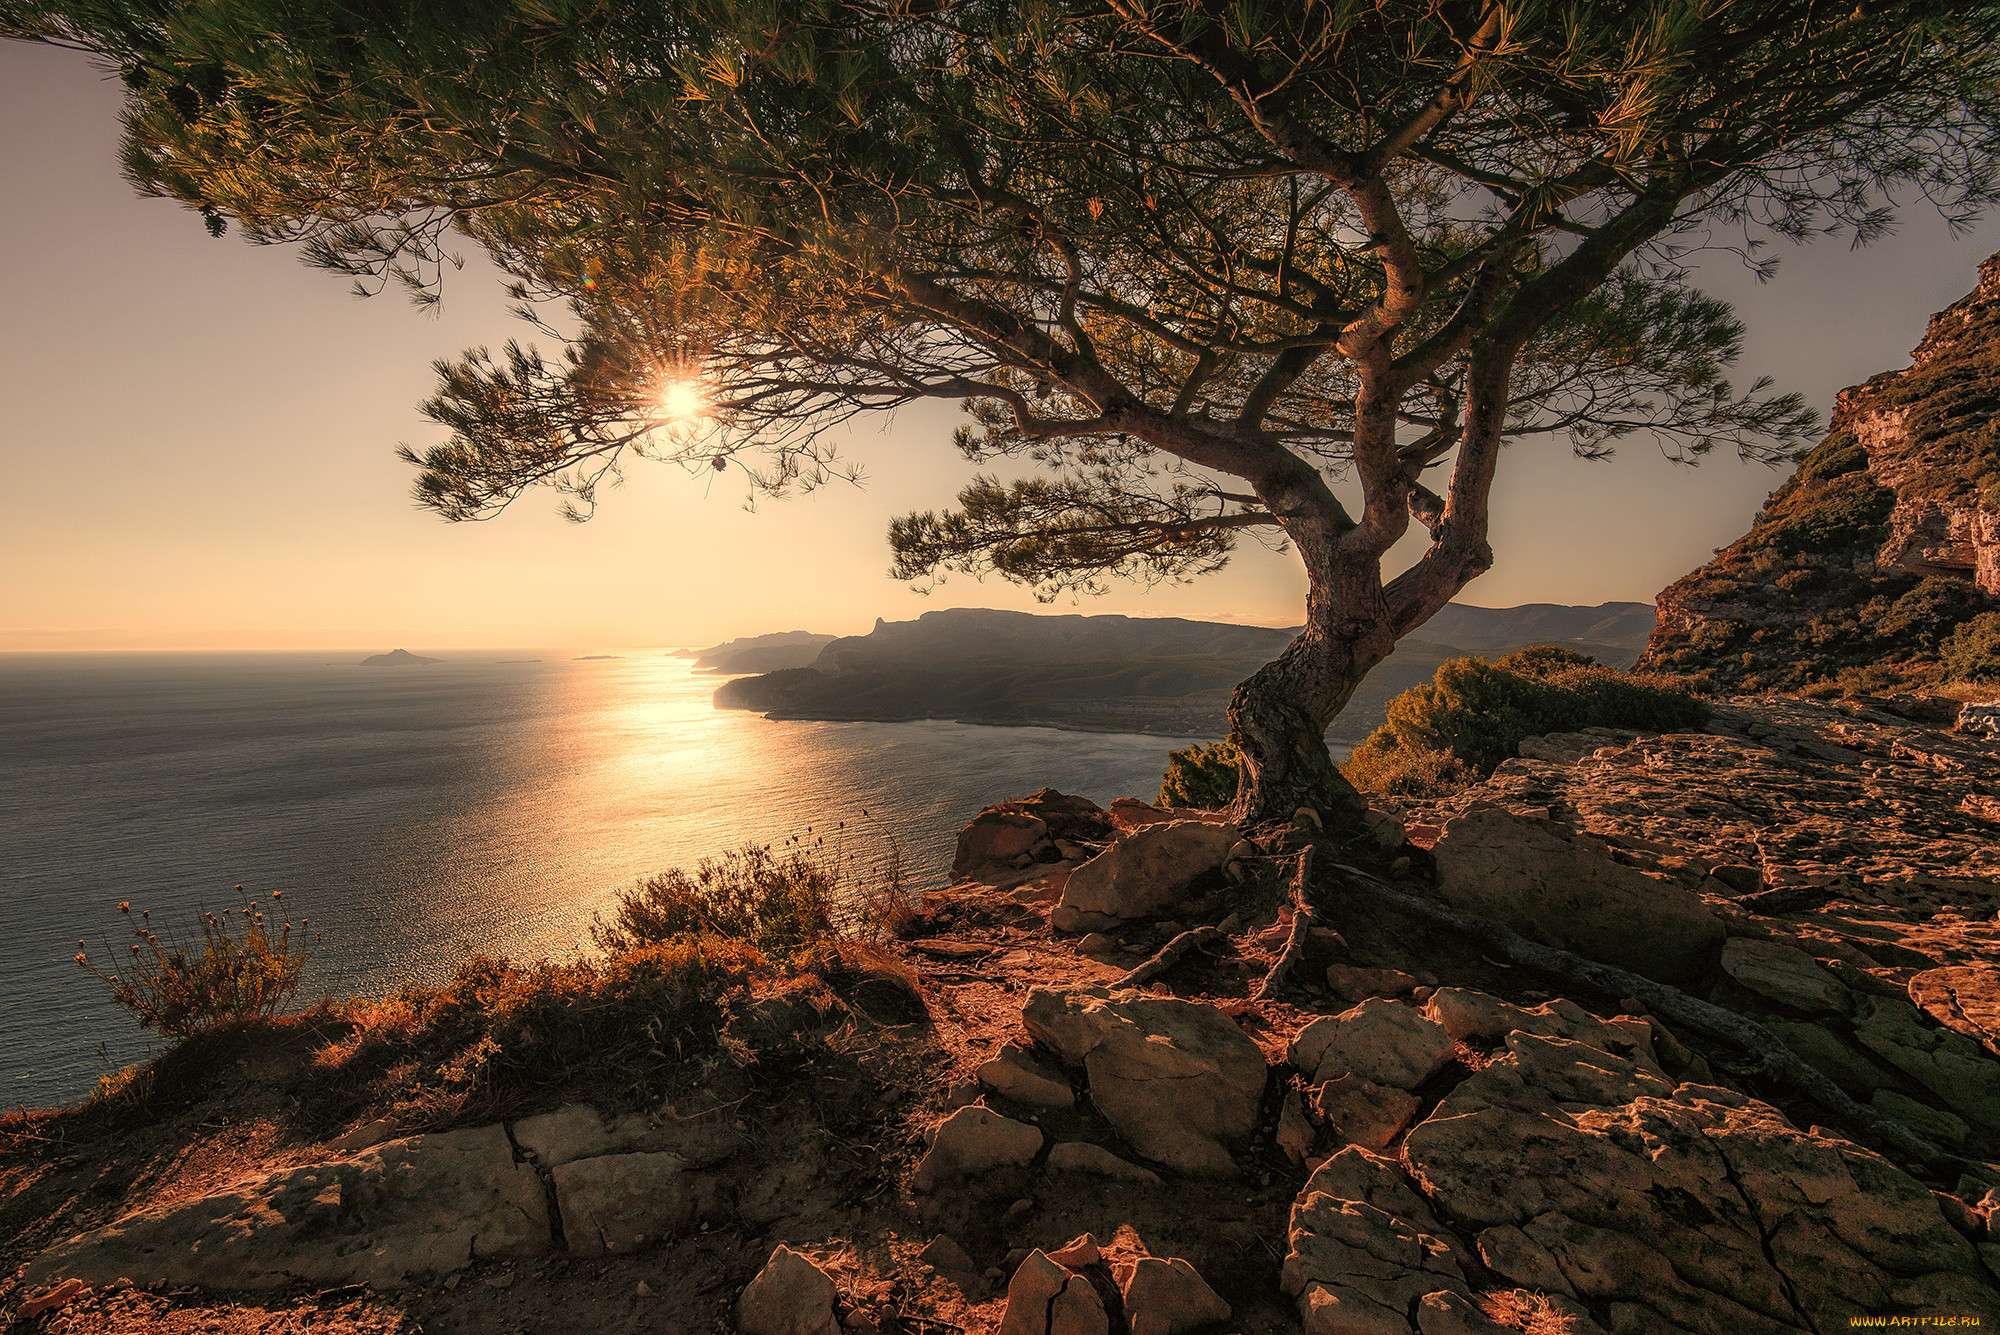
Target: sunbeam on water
{"type": "Point", "coordinates": [416, 814]}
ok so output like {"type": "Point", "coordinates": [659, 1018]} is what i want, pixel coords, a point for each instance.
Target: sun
{"type": "Point", "coordinates": [682, 398]}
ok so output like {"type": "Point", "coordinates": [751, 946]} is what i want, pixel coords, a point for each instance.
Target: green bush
{"type": "Point", "coordinates": [181, 987]}
{"type": "Point", "coordinates": [1474, 714]}
{"type": "Point", "coordinates": [1200, 776]}
{"type": "Point", "coordinates": [1833, 457]}
{"type": "Point", "coordinates": [1852, 511]}
{"type": "Point", "coordinates": [782, 907]}
{"type": "Point", "coordinates": [1973, 651]}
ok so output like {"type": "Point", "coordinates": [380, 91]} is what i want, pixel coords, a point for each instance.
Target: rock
{"type": "Point", "coordinates": [1384, 830]}
{"type": "Point", "coordinates": [1680, 1208]}
{"type": "Point", "coordinates": [1164, 1296]}
{"type": "Point", "coordinates": [1953, 1067]}
{"type": "Point", "coordinates": [1076, 1156]}
{"type": "Point", "coordinates": [790, 1296]}
{"type": "Point", "coordinates": [1364, 1113]}
{"type": "Point", "coordinates": [1531, 875]}
{"type": "Point", "coordinates": [1378, 1040]}
{"type": "Point", "coordinates": [619, 1203]}
{"type": "Point", "coordinates": [1295, 1132]}
{"type": "Point", "coordinates": [1854, 1071]}
{"type": "Point", "coordinates": [1143, 872]}
{"type": "Point", "coordinates": [1513, 1255]}
{"type": "Point", "coordinates": [1921, 1118]}
{"type": "Point", "coordinates": [995, 838]}
{"type": "Point", "coordinates": [975, 1140]}
{"type": "Point", "coordinates": [364, 1137]}
{"type": "Point", "coordinates": [1356, 984]}
{"type": "Point", "coordinates": [1465, 1014]}
{"type": "Point", "coordinates": [1355, 1269]}
{"type": "Point", "coordinates": [1097, 943]}
{"type": "Point", "coordinates": [1785, 974]}
{"type": "Point", "coordinates": [579, 1131]}
{"type": "Point", "coordinates": [410, 1208]}
{"type": "Point", "coordinates": [1045, 1298]}
{"type": "Point", "coordinates": [1740, 879]}
{"type": "Point", "coordinates": [1965, 998]}
{"type": "Point", "coordinates": [1020, 1077]}
{"type": "Point", "coordinates": [948, 1258]}
{"type": "Point", "coordinates": [1174, 1078]}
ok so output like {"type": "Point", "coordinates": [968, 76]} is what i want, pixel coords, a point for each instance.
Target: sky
{"type": "Point", "coordinates": [197, 450]}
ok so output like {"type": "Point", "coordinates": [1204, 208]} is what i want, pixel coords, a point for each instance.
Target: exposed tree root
{"type": "Point", "coordinates": [1302, 924]}
{"type": "Point", "coordinates": [1775, 1060]}
{"type": "Point", "coordinates": [1169, 955]}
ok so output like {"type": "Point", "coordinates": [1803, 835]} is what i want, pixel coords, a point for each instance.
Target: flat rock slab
{"type": "Point", "coordinates": [976, 1140]}
{"type": "Point", "coordinates": [1175, 1078]}
{"type": "Point", "coordinates": [1965, 998]}
{"type": "Point", "coordinates": [621, 1203]}
{"type": "Point", "coordinates": [408, 1209]}
{"type": "Point", "coordinates": [1379, 1040]}
{"type": "Point", "coordinates": [1537, 878]}
{"type": "Point", "coordinates": [1680, 1208]}
{"type": "Point", "coordinates": [1784, 974]}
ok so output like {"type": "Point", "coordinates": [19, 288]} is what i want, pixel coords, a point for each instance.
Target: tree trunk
{"type": "Point", "coordinates": [1279, 717]}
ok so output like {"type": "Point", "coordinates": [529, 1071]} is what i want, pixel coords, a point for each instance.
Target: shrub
{"type": "Point", "coordinates": [781, 906]}
{"type": "Point", "coordinates": [1381, 764]}
{"type": "Point", "coordinates": [181, 988]}
{"type": "Point", "coordinates": [1973, 651]}
{"type": "Point", "coordinates": [1833, 457]}
{"type": "Point", "coordinates": [1200, 776]}
{"type": "Point", "coordinates": [1851, 511]}
{"type": "Point", "coordinates": [1473, 714]}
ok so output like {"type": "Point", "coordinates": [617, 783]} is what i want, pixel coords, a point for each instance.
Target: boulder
{"type": "Point", "coordinates": [1045, 1298]}
{"type": "Point", "coordinates": [1356, 984]}
{"type": "Point", "coordinates": [1142, 873]}
{"type": "Point", "coordinates": [1364, 1113]}
{"type": "Point", "coordinates": [790, 1296]}
{"type": "Point", "coordinates": [1534, 876]}
{"type": "Point", "coordinates": [1955, 1068]}
{"type": "Point", "coordinates": [1681, 1208]}
{"type": "Point", "coordinates": [1379, 1040]}
{"type": "Point", "coordinates": [1164, 1296]}
{"type": "Point", "coordinates": [1785, 974]}
{"type": "Point", "coordinates": [996, 838]}
{"type": "Point", "coordinates": [1018, 1076]}
{"type": "Point", "coordinates": [620, 1203]}
{"type": "Point", "coordinates": [1077, 1156]}
{"type": "Point", "coordinates": [408, 1209]}
{"type": "Point", "coordinates": [1174, 1078]}
{"type": "Point", "coordinates": [976, 1140]}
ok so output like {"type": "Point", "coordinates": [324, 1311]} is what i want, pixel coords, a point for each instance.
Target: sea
{"type": "Point", "coordinates": [492, 802]}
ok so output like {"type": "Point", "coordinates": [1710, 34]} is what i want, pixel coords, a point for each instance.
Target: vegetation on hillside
{"type": "Point", "coordinates": [669, 993]}
{"type": "Point", "coordinates": [1800, 603]}
{"type": "Point", "coordinates": [1474, 713]}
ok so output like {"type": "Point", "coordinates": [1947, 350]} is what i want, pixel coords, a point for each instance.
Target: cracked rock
{"type": "Point", "coordinates": [620, 1203]}
{"type": "Point", "coordinates": [1785, 974]}
{"type": "Point", "coordinates": [1681, 1208]}
{"type": "Point", "coordinates": [1045, 1298]}
{"type": "Point", "coordinates": [1174, 1078]}
{"type": "Point", "coordinates": [1141, 874]}
{"type": "Point", "coordinates": [1379, 1040]}
{"type": "Point", "coordinates": [410, 1208]}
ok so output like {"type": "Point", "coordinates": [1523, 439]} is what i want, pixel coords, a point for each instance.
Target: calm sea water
{"type": "Point", "coordinates": [417, 814]}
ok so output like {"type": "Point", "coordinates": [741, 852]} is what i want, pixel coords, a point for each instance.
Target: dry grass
{"type": "Point", "coordinates": [1529, 1313]}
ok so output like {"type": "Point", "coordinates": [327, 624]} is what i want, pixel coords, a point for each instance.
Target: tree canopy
{"type": "Point", "coordinates": [1188, 264]}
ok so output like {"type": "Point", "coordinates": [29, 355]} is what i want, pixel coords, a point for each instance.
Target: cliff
{"type": "Point", "coordinates": [1140, 674]}
{"type": "Point", "coordinates": [1877, 565]}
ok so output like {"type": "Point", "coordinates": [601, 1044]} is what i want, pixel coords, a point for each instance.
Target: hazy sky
{"type": "Point", "coordinates": [196, 450]}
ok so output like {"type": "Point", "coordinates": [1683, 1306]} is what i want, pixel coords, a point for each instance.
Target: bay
{"type": "Point", "coordinates": [493, 802]}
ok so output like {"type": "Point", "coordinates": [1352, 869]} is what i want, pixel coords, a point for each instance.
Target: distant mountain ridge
{"type": "Point", "coordinates": [1131, 674]}
{"type": "Point", "coordinates": [760, 653]}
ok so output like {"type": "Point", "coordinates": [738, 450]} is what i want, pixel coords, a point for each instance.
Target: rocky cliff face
{"type": "Point", "coordinates": [1870, 564]}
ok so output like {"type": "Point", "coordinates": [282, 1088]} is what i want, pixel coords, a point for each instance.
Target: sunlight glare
{"type": "Point", "coordinates": [682, 398]}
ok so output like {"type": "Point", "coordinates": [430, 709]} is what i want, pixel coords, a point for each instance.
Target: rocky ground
{"type": "Point", "coordinates": [1695, 1033]}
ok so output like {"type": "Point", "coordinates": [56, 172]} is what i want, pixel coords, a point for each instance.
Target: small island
{"type": "Point", "coordinates": [397, 658]}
